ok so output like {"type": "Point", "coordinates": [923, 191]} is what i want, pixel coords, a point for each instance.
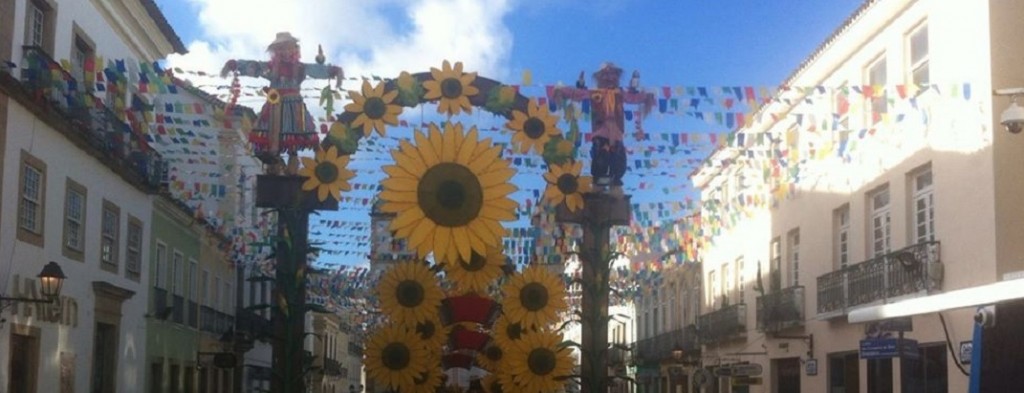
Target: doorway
{"type": "Point", "coordinates": [787, 375]}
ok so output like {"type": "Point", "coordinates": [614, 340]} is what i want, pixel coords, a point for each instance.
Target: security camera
{"type": "Point", "coordinates": [986, 316]}
{"type": "Point", "coordinates": [1013, 118]}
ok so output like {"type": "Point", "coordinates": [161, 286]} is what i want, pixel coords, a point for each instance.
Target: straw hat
{"type": "Point", "coordinates": [283, 38]}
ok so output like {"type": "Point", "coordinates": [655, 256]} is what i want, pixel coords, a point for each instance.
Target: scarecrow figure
{"type": "Point", "coordinates": [284, 123]}
{"type": "Point", "coordinates": [608, 154]}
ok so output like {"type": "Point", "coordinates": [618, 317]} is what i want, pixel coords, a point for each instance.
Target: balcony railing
{"type": "Point", "coordinates": [91, 120]}
{"type": "Point", "coordinates": [911, 270]}
{"type": "Point", "coordinates": [659, 348]}
{"type": "Point", "coordinates": [332, 367]}
{"type": "Point", "coordinates": [213, 321]}
{"type": "Point", "coordinates": [781, 310]}
{"type": "Point", "coordinates": [193, 315]}
{"type": "Point", "coordinates": [256, 325]}
{"type": "Point", "coordinates": [179, 309]}
{"type": "Point", "coordinates": [727, 323]}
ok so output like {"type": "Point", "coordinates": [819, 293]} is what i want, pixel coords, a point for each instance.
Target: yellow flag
{"type": "Point", "coordinates": [527, 77]}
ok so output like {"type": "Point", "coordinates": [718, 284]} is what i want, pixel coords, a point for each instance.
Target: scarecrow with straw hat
{"type": "Point", "coordinates": [284, 123]}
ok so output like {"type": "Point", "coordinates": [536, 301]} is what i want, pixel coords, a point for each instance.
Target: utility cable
{"type": "Point", "coordinates": [949, 343]}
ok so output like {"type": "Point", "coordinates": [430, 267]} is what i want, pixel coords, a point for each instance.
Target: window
{"type": "Point", "coordinates": [204, 285]}
{"type": "Point", "coordinates": [39, 26]}
{"type": "Point", "coordinates": [917, 41]}
{"type": "Point", "coordinates": [880, 221]}
{"type": "Point", "coordinates": [740, 279]}
{"type": "Point", "coordinates": [841, 236]}
{"type": "Point", "coordinates": [713, 291]}
{"type": "Point", "coordinates": [176, 274]}
{"type": "Point", "coordinates": [793, 243]}
{"type": "Point", "coordinates": [775, 266]}
{"type": "Point", "coordinates": [927, 373]}
{"type": "Point", "coordinates": [843, 373]}
{"type": "Point", "coordinates": [74, 220]}
{"type": "Point", "coordinates": [924, 208]}
{"type": "Point", "coordinates": [110, 223]}
{"type": "Point", "coordinates": [227, 298]}
{"type": "Point", "coordinates": [841, 108]}
{"type": "Point", "coordinates": [216, 293]}
{"type": "Point", "coordinates": [880, 375]}
{"type": "Point", "coordinates": [31, 203]}
{"type": "Point", "coordinates": [193, 288]}
{"type": "Point", "coordinates": [875, 77]}
{"type": "Point", "coordinates": [726, 282]}
{"type": "Point", "coordinates": [133, 249]}
{"type": "Point", "coordinates": [159, 264]}
{"type": "Point", "coordinates": [81, 52]}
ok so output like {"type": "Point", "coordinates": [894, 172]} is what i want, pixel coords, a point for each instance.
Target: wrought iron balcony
{"type": "Point", "coordinates": [781, 310]}
{"type": "Point", "coordinates": [332, 367]}
{"type": "Point", "coordinates": [727, 323]}
{"type": "Point", "coordinates": [213, 321]}
{"type": "Point", "coordinates": [90, 120]}
{"type": "Point", "coordinates": [254, 324]}
{"type": "Point", "coordinates": [911, 270]}
{"type": "Point", "coordinates": [659, 348]}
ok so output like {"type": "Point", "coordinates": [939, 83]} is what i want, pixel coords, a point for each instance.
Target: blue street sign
{"type": "Point", "coordinates": [884, 348]}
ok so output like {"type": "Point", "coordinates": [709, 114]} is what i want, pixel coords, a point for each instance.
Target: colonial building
{"type": "Point", "coordinates": [879, 173]}
{"type": "Point", "coordinates": [337, 368]}
{"type": "Point", "coordinates": [666, 327]}
{"type": "Point", "coordinates": [76, 186]}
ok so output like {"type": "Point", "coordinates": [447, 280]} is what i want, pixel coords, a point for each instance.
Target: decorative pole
{"type": "Point", "coordinates": [605, 206]}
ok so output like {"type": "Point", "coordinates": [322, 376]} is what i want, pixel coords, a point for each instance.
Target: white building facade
{"type": "Point", "coordinates": [880, 174]}
{"type": "Point", "coordinates": [75, 191]}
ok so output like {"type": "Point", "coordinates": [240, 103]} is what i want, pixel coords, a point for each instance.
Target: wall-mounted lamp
{"type": "Point", "coordinates": [51, 279]}
{"type": "Point", "coordinates": [1013, 117]}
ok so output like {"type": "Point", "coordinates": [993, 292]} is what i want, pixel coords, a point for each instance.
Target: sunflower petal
{"type": "Point", "coordinates": [460, 238]}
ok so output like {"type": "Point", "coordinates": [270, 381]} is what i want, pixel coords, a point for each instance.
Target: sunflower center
{"type": "Point", "coordinates": [450, 194]}
{"type": "Point", "coordinates": [534, 127]}
{"type": "Point", "coordinates": [541, 361]}
{"type": "Point", "coordinates": [534, 296]}
{"type": "Point", "coordinates": [396, 356]}
{"type": "Point", "coordinates": [409, 293]}
{"type": "Point", "coordinates": [426, 330]}
{"type": "Point", "coordinates": [326, 172]}
{"type": "Point", "coordinates": [475, 264]}
{"type": "Point", "coordinates": [514, 331]}
{"type": "Point", "coordinates": [451, 88]}
{"type": "Point", "coordinates": [567, 184]}
{"type": "Point", "coordinates": [493, 353]}
{"type": "Point", "coordinates": [375, 108]}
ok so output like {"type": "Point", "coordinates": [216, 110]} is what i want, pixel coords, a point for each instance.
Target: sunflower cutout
{"type": "Point", "coordinates": [478, 272]}
{"type": "Point", "coordinates": [327, 174]}
{"type": "Point", "coordinates": [566, 185]}
{"type": "Point", "coordinates": [273, 96]}
{"type": "Point", "coordinates": [490, 358]}
{"type": "Point", "coordinates": [432, 332]}
{"type": "Point", "coordinates": [409, 293]}
{"type": "Point", "coordinates": [394, 358]}
{"type": "Point", "coordinates": [452, 87]}
{"type": "Point", "coordinates": [532, 129]}
{"type": "Point", "coordinates": [428, 381]}
{"type": "Point", "coordinates": [539, 362]}
{"type": "Point", "coordinates": [492, 384]}
{"type": "Point", "coordinates": [448, 193]}
{"type": "Point", "coordinates": [534, 298]}
{"type": "Point", "coordinates": [505, 332]}
{"type": "Point", "coordinates": [374, 107]}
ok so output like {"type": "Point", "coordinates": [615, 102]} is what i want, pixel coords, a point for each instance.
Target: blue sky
{"type": "Point", "coordinates": [671, 43]}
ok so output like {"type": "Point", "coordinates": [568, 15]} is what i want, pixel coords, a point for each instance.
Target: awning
{"type": "Point", "coordinates": [969, 297]}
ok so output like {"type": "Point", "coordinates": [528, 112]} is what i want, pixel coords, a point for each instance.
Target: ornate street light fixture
{"type": "Point", "coordinates": [51, 279]}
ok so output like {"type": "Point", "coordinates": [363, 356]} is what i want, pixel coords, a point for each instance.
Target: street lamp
{"type": "Point", "coordinates": [677, 353]}
{"type": "Point", "coordinates": [51, 279]}
{"type": "Point", "coordinates": [1013, 117]}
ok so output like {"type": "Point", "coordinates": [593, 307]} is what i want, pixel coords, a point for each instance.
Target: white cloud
{"type": "Point", "coordinates": [365, 38]}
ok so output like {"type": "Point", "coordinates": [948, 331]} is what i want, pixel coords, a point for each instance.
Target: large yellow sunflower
{"type": "Point", "coordinates": [327, 173]}
{"type": "Point", "coordinates": [539, 362]}
{"type": "Point", "coordinates": [395, 358]}
{"type": "Point", "coordinates": [452, 87]}
{"type": "Point", "coordinates": [448, 193]}
{"type": "Point", "coordinates": [532, 129]}
{"type": "Point", "coordinates": [534, 297]}
{"type": "Point", "coordinates": [374, 107]}
{"type": "Point", "coordinates": [566, 185]}
{"type": "Point", "coordinates": [409, 293]}
{"type": "Point", "coordinates": [478, 272]}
